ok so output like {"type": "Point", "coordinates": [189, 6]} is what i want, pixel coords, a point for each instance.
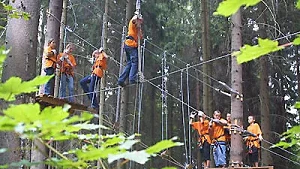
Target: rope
{"type": "Point", "coordinates": [281, 148]}
{"type": "Point", "coordinates": [188, 109]}
{"type": "Point", "coordinates": [272, 152]}
{"type": "Point", "coordinates": [75, 18]}
{"type": "Point", "coordinates": [183, 69]}
{"type": "Point", "coordinates": [120, 72]}
{"type": "Point", "coordinates": [183, 118]}
{"type": "Point", "coordinates": [141, 86]}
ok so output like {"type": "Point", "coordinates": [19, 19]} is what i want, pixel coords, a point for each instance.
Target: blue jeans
{"type": "Point", "coordinates": [219, 153]}
{"type": "Point", "coordinates": [92, 80]}
{"type": "Point", "coordinates": [49, 85]}
{"type": "Point", "coordinates": [131, 66]}
{"type": "Point", "coordinates": [64, 81]}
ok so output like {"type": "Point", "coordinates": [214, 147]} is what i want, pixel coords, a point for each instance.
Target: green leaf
{"type": "Point", "coordinates": [3, 54]}
{"type": "Point", "coordinates": [298, 4]}
{"type": "Point", "coordinates": [8, 7]}
{"type": "Point", "coordinates": [25, 163]}
{"type": "Point", "coordinates": [169, 168]}
{"type": "Point", "coordinates": [14, 86]}
{"type": "Point", "coordinates": [297, 105]}
{"type": "Point", "coordinates": [61, 163]}
{"type": "Point", "coordinates": [26, 16]}
{"type": "Point", "coordinates": [7, 124]}
{"type": "Point", "coordinates": [264, 47]}
{"type": "Point", "coordinates": [229, 7]}
{"type": "Point", "coordinates": [25, 113]}
{"type": "Point", "coordinates": [3, 150]}
{"type": "Point", "coordinates": [140, 157]}
{"type": "Point", "coordinates": [4, 166]}
{"type": "Point", "coordinates": [93, 153]}
{"type": "Point", "coordinates": [296, 41]}
{"type": "Point", "coordinates": [162, 145]}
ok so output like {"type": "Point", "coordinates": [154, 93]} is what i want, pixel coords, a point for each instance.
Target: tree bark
{"type": "Point", "coordinates": [53, 29]}
{"type": "Point", "coordinates": [61, 44]}
{"type": "Point", "coordinates": [207, 92]}
{"type": "Point", "coordinates": [236, 151]}
{"type": "Point", "coordinates": [21, 62]}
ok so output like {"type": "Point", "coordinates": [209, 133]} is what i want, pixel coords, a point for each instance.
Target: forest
{"type": "Point", "coordinates": [238, 57]}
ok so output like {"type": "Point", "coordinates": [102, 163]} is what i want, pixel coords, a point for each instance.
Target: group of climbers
{"type": "Point", "coordinates": [215, 132]}
{"type": "Point", "coordinates": [66, 62]}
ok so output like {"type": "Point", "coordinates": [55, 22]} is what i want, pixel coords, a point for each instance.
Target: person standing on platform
{"type": "Point", "coordinates": [67, 63]}
{"type": "Point", "coordinates": [253, 143]}
{"type": "Point", "coordinates": [49, 63]}
{"type": "Point", "coordinates": [217, 134]}
{"type": "Point", "coordinates": [202, 126]}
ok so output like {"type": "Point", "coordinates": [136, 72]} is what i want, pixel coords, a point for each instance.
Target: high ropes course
{"type": "Point", "coordinates": [186, 108]}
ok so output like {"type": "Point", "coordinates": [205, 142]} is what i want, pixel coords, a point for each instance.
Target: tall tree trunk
{"type": "Point", "coordinates": [264, 108]}
{"type": "Point", "coordinates": [21, 62]}
{"type": "Point", "coordinates": [236, 151]}
{"type": "Point", "coordinates": [61, 44]}
{"type": "Point", "coordinates": [53, 30]}
{"type": "Point", "coordinates": [264, 96]}
{"type": "Point", "coordinates": [124, 93]}
{"type": "Point", "coordinates": [207, 92]}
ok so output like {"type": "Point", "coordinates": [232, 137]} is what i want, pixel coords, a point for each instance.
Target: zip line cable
{"type": "Point", "coordinates": [192, 65]}
{"type": "Point", "coordinates": [195, 64]}
{"type": "Point", "coordinates": [180, 69]}
{"type": "Point", "coordinates": [188, 111]}
{"type": "Point", "coordinates": [74, 15]}
{"type": "Point", "coordinates": [282, 149]}
{"type": "Point", "coordinates": [279, 155]}
{"type": "Point", "coordinates": [183, 117]}
{"type": "Point", "coordinates": [141, 86]}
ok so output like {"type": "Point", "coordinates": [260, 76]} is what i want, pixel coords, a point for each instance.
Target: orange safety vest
{"type": "Point", "coordinates": [99, 65]}
{"type": "Point", "coordinates": [132, 35]}
{"type": "Point", "coordinates": [218, 133]}
{"type": "Point", "coordinates": [202, 128]}
{"type": "Point", "coordinates": [65, 67]}
{"type": "Point", "coordinates": [253, 141]}
{"type": "Point", "coordinates": [49, 60]}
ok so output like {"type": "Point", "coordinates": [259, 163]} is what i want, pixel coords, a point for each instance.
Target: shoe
{"type": "Point", "coordinates": [122, 84]}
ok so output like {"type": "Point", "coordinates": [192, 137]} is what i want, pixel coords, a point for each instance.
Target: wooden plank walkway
{"type": "Point", "coordinates": [264, 167]}
{"type": "Point", "coordinates": [47, 100]}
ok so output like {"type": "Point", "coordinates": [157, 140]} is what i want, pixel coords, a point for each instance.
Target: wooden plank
{"type": "Point", "coordinates": [263, 167]}
{"type": "Point", "coordinates": [47, 100]}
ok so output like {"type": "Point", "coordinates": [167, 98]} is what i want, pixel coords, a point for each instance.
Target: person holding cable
{"type": "Point", "coordinates": [202, 126]}
{"type": "Point", "coordinates": [131, 50]}
{"type": "Point", "coordinates": [217, 133]}
{"type": "Point", "coordinates": [67, 63]}
{"type": "Point", "coordinates": [98, 69]}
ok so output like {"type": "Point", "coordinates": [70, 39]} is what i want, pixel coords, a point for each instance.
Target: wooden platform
{"type": "Point", "coordinates": [47, 100]}
{"type": "Point", "coordinates": [264, 167]}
